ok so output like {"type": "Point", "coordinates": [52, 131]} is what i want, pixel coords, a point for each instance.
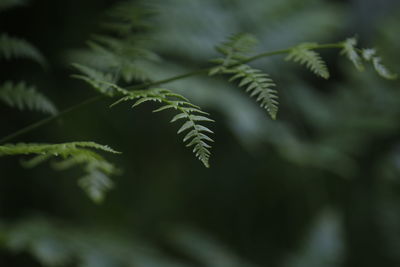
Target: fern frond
{"type": "Point", "coordinates": [258, 85]}
{"type": "Point", "coordinates": [95, 78]}
{"type": "Point", "coordinates": [11, 47]}
{"type": "Point", "coordinates": [305, 56]}
{"type": "Point", "coordinates": [196, 134]}
{"type": "Point", "coordinates": [369, 54]}
{"type": "Point", "coordinates": [95, 181]}
{"type": "Point", "coordinates": [234, 50]}
{"type": "Point", "coordinates": [24, 97]}
{"type": "Point", "coordinates": [237, 45]}
{"type": "Point", "coordinates": [350, 50]}
{"type": "Point", "coordinates": [128, 55]}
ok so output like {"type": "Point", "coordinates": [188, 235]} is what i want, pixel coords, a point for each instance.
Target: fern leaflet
{"type": "Point", "coordinates": [234, 50]}
{"type": "Point", "coordinates": [350, 50]}
{"type": "Point", "coordinates": [23, 97]}
{"type": "Point", "coordinates": [93, 77]}
{"type": "Point", "coordinates": [196, 134]}
{"type": "Point", "coordinates": [356, 55]}
{"type": "Point", "coordinates": [11, 47]}
{"type": "Point", "coordinates": [369, 54]}
{"type": "Point", "coordinates": [258, 85]}
{"type": "Point", "coordinates": [305, 56]}
{"type": "Point", "coordinates": [95, 181]}
{"type": "Point", "coordinates": [237, 45]}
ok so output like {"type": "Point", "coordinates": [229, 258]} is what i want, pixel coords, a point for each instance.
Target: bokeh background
{"type": "Point", "coordinates": [317, 187]}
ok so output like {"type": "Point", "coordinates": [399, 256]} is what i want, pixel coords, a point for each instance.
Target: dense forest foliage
{"type": "Point", "coordinates": [199, 133]}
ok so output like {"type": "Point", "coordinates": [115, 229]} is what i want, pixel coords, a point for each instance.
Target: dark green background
{"type": "Point", "coordinates": [317, 187]}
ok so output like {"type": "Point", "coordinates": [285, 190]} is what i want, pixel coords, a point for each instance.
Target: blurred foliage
{"type": "Point", "coordinates": [317, 187]}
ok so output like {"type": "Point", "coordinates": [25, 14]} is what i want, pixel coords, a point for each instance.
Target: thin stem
{"type": "Point", "coordinates": [95, 99]}
{"type": "Point", "coordinates": [51, 118]}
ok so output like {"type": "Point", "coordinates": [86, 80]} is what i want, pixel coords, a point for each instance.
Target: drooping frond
{"type": "Point", "coordinates": [350, 50]}
{"type": "Point", "coordinates": [369, 54]}
{"type": "Point", "coordinates": [11, 47]}
{"type": "Point", "coordinates": [24, 97]}
{"type": "Point", "coordinates": [95, 181]}
{"type": "Point", "coordinates": [258, 85]}
{"type": "Point", "coordinates": [95, 78]}
{"type": "Point", "coordinates": [305, 56]}
{"type": "Point", "coordinates": [196, 134]}
{"type": "Point", "coordinates": [7, 4]}
{"type": "Point", "coordinates": [233, 50]}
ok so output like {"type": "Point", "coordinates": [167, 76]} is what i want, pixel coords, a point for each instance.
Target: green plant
{"type": "Point", "coordinates": [118, 57]}
{"type": "Point", "coordinates": [21, 96]}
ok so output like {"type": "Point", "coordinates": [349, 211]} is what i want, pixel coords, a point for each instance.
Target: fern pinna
{"type": "Point", "coordinates": [304, 55]}
{"type": "Point", "coordinates": [12, 48]}
{"type": "Point", "coordinates": [357, 56]}
{"type": "Point", "coordinates": [22, 96]}
{"type": "Point", "coordinates": [196, 134]}
{"type": "Point", "coordinates": [257, 84]}
{"type": "Point", "coordinates": [96, 180]}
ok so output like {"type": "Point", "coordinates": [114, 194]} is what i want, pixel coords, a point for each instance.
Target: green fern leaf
{"type": "Point", "coordinates": [24, 97]}
{"type": "Point", "coordinates": [128, 55]}
{"type": "Point", "coordinates": [95, 183]}
{"type": "Point", "coordinates": [258, 85]}
{"type": "Point", "coordinates": [238, 45]}
{"type": "Point", "coordinates": [196, 136]}
{"type": "Point", "coordinates": [350, 50]}
{"type": "Point", "coordinates": [11, 47]}
{"type": "Point", "coordinates": [234, 50]}
{"type": "Point", "coordinates": [122, 47]}
{"type": "Point", "coordinates": [95, 78]}
{"type": "Point", "coordinates": [96, 180]}
{"type": "Point", "coordinates": [369, 54]}
{"type": "Point", "coordinates": [305, 56]}
{"type": "Point", "coordinates": [382, 70]}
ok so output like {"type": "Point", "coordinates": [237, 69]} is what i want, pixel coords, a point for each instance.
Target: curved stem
{"type": "Point", "coordinates": [91, 100]}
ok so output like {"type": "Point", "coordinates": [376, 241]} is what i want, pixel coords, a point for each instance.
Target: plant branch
{"type": "Point", "coordinates": [95, 99]}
